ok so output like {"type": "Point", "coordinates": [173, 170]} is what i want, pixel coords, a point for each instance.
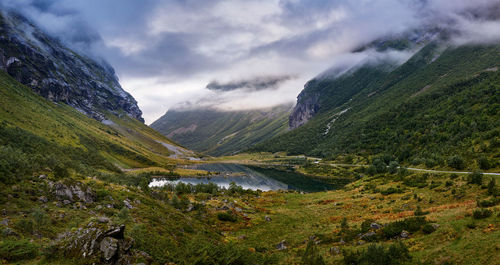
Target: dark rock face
{"type": "Point", "coordinates": [307, 106]}
{"type": "Point", "coordinates": [59, 74]}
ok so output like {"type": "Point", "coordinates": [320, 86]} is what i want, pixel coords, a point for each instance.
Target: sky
{"type": "Point", "coordinates": [242, 54]}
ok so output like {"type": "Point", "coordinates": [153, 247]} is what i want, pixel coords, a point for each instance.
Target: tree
{"type": "Point", "coordinates": [456, 162]}
{"type": "Point", "coordinates": [492, 189]}
{"type": "Point", "coordinates": [393, 167]}
{"type": "Point", "coordinates": [343, 224]}
{"type": "Point", "coordinates": [475, 178]}
{"type": "Point", "coordinates": [312, 256]}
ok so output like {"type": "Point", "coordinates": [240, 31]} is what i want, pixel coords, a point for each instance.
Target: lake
{"type": "Point", "coordinates": [255, 178]}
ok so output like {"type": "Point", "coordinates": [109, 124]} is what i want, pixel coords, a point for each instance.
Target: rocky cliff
{"type": "Point", "coordinates": [59, 74]}
{"type": "Point", "coordinates": [306, 108]}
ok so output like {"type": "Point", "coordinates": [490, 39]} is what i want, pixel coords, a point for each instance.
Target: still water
{"type": "Point", "coordinates": [255, 178]}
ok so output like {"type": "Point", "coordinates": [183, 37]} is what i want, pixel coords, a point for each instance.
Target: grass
{"type": "Point", "coordinates": [126, 143]}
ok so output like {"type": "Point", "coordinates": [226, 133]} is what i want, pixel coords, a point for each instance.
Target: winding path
{"type": "Point", "coordinates": [422, 170]}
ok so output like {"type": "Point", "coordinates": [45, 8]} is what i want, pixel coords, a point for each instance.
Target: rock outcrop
{"type": "Point", "coordinates": [99, 242]}
{"type": "Point", "coordinates": [307, 106]}
{"type": "Point", "coordinates": [72, 192]}
{"type": "Point", "coordinates": [59, 74]}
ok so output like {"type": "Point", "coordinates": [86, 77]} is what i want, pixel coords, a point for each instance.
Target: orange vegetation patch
{"type": "Point", "coordinates": [392, 216]}
{"type": "Point", "coordinates": [335, 218]}
{"type": "Point", "coordinates": [444, 207]}
{"type": "Point", "coordinates": [326, 201]}
{"type": "Point", "coordinates": [263, 210]}
{"type": "Point", "coordinates": [490, 228]}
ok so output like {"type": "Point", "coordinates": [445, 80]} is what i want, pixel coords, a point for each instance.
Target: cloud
{"type": "Point", "coordinates": [249, 85]}
{"type": "Point", "coordinates": [166, 51]}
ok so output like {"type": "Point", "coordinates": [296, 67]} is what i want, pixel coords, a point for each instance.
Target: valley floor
{"type": "Point", "coordinates": [439, 218]}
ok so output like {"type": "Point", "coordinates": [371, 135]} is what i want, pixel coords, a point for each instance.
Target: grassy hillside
{"type": "Point", "coordinates": [49, 136]}
{"type": "Point", "coordinates": [223, 132]}
{"type": "Point", "coordinates": [437, 107]}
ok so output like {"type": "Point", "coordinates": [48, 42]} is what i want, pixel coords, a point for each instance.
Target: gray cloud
{"type": "Point", "coordinates": [249, 85]}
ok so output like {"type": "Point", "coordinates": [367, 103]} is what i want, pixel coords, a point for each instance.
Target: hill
{"type": "Point", "coordinates": [438, 107]}
{"type": "Point", "coordinates": [217, 132]}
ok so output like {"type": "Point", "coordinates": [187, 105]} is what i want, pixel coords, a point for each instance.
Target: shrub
{"type": "Point", "coordinates": [471, 225]}
{"type": "Point", "coordinates": [366, 225]}
{"type": "Point", "coordinates": [235, 189]}
{"type": "Point", "coordinates": [481, 213]}
{"type": "Point", "coordinates": [18, 250]}
{"type": "Point", "coordinates": [475, 178]}
{"type": "Point", "coordinates": [199, 250]}
{"type": "Point", "coordinates": [456, 162]}
{"type": "Point", "coordinates": [393, 167]}
{"type": "Point", "coordinates": [411, 224]}
{"type": "Point", "coordinates": [484, 163]}
{"type": "Point", "coordinates": [155, 244]}
{"type": "Point", "coordinates": [343, 224]}
{"type": "Point", "coordinates": [488, 203]}
{"type": "Point", "coordinates": [492, 189]}
{"type": "Point", "coordinates": [397, 253]}
{"type": "Point", "coordinates": [419, 212]}
{"type": "Point", "coordinates": [380, 165]}
{"type": "Point", "coordinates": [39, 216]}
{"type": "Point", "coordinates": [312, 256]}
{"type": "Point", "coordinates": [419, 181]}
{"type": "Point", "coordinates": [391, 190]}
{"type": "Point", "coordinates": [123, 214]}
{"type": "Point", "coordinates": [226, 217]}
{"type": "Point", "coordinates": [25, 225]}
{"type": "Point", "coordinates": [428, 228]}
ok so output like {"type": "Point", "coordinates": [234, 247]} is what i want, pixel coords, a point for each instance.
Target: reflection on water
{"type": "Point", "coordinates": [255, 178]}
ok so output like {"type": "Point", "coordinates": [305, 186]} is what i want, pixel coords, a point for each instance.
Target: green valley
{"type": "Point", "coordinates": [217, 132]}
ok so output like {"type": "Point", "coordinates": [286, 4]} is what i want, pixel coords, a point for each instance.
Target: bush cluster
{"type": "Point", "coordinates": [482, 213]}
{"type": "Point", "coordinates": [375, 254]}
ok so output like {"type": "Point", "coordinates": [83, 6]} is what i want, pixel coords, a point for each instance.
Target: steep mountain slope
{"type": "Point", "coordinates": [442, 102]}
{"type": "Point", "coordinates": [48, 129]}
{"type": "Point", "coordinates": [63, 137]}
{"type": "Point", "coordinates": [59, 74]}
{"type": "Point", "coordinates": [222, 132]}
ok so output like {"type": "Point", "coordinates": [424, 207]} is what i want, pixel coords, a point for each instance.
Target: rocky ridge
{"type": "Point", "coordinates": [59, 74]}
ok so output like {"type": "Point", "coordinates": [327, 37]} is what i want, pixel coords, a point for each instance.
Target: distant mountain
{"type": "Point", "coordinates": [59, 74]}
{"type": "Point", "coordinates": [217, 132]}
{"type": "Point", "coordinates": [441, 103]}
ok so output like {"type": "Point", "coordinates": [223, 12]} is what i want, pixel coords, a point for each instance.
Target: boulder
{"type": "Point", "coordinates": [109, 248]}
{"type": "Point", "coordinates": [5, 222]}
{"type": "Point", "coordinates": [281, 245]}
{"type": "Point", "coordinates": [9, 232]}
{"type": "Point", "coordinates": [267, 218]}
{"type": "Point", "coordinates": [73, 192]}
{"type": "Point", "coordinates": [375, 226]}
{"type": "Point", "coordinates": [404, 234]}
{"type": "Point", "coordinates": [127, 204]}
{"type": "Point", "coordinates": [99, 242]}
{"type": "Point", "coordinates": [43, 199]}
{"type": "Point", "coordinates": [335, 250]}
{"type": "Point", "coordinates": [368, 235]}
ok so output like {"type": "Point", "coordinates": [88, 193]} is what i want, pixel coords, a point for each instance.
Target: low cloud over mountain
{"type": "Point", "coordinates": [166, 51]}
